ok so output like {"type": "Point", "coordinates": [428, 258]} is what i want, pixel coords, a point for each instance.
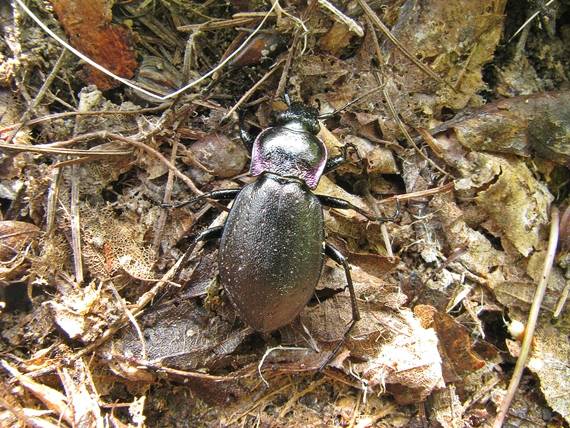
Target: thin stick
{"type": "Point", "coordinates": [529, 20]}
{"type": "Point", "coordinates": [61, 151]}
{"type": "Point", "coordinates": [419, 194]}
{"type": "Point", "coordinates": [532, 320]}
{"type": "Point", "coordinates": [406, 133]}
{"type": "Point", "coordinates": [167, 199]}
{"type": "Point", "coordinates": [55, 116]}
{"type": "Point", "coordinates": [342, 18]}
{"type": "Point", "coordinates": [251, 91]}
{"type": "Point", "coordinates": [131, 318]}
{"type": "Point", "coordinates": [76, 225]}
{"type": "Point", "coordinates": [55, 148]}
{"type": "Point", "coordinates": [39, 96]}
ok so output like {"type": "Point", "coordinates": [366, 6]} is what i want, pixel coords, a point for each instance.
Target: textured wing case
{"type": "Point", "coordinates": [271, 253]}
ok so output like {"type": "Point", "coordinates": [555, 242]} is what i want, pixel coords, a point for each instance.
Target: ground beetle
{"type": "Point", "coordinates": [273, 245]}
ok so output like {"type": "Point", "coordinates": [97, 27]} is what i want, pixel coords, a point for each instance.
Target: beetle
{"type": "Point", "coordinates": [273, 246]}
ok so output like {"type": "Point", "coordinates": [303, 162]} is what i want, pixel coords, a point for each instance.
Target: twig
{"type": "Point", "coordinates": [342, 18]}
{"type": "Point", "coordinates": [386, 31]}
{"type": "Point", "coordinates": [160, 157]}
{"type": "Point", "coordinates": [251, 91]}
{"type": "Point", "coordinates": [52, 398]}
{"type": "Point", "coordinates": [39, 96]}
{"type": "Point", "coordinates": [406, 133]}
{"type": "Point", "coordinates": [419, 194]}
{"type": "Point", "coordinates": [60, 151]}
{"type": "Point", "coordinates": [76, 225]}
{"type": "Point", "coordinates": [532, 320]}
{"type": "Point", "coordinates": [299, 394]}
{"type": "Point", "coordinates": [55, 148]}
{"type": "Point", "coordinates": [53, 194]}
{"type": "Point", "coordinates": [293, 51]}
{"type": "Point", "coordinates": [55, 116]}
{"type": "Point", "coordinates": [529, 20]}
{"type": "Point", "coordinates": [131, 318]}
{"type": "Point", "coordinates": [167, 199]}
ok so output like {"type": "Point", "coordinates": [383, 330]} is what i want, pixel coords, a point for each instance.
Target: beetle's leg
{"type": "Point", "coordinates": [334, 163]}
{"type": "Point", "coordinates": [333, 202]}
{"type": "Point", "coordinates": [204, 236]}
{"type": "Point", "coordinates": [218, 195]}
{"type": "Point", "coordinates": [209, 234]}
{"type": "Point", "coordinates": [245, 135]}
{"type": "Point", "coordinates": [337, 256]}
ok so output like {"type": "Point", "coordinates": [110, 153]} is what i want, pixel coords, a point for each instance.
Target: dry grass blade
{"type": "Point", "coordinates": [251, 91]}
{"type": "Point", "coordinates": [406, 133]}
{"type": "Point", "coordinates": [62, 151]}
{"type": "Point", "coordinates": [342, 18]}
{"type": "Point", "coordinates": [53, 399]}
{"type": "Point", "coordinates": [386, 31]}
{"type": "Point", "coordinates": [55, 116]}
{"type": "Point", "coordinates": [529, 20]}
{"type": "Point", "coordinates": [40, 95]}
{"type": "Point", "coordinates": [532, 320]}
{"type": "Point", "coordinates": [76, 225]}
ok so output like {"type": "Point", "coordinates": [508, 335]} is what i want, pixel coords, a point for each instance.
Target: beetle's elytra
{"type": "Point", "coordinates": [273, 245]}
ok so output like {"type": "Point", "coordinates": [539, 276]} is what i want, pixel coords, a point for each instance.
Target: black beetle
{"type": "Point", "coordinates": [273, 245]}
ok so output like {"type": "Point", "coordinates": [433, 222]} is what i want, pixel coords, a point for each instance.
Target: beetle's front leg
{"type": "Point", "coordinates": [246, 137]}
{"type": "Point", "coordinates": [337, 256]}
{"type": "Point", "coordinates": [330, 201]}
{"type": "Point", "coordinates": [334, 162]}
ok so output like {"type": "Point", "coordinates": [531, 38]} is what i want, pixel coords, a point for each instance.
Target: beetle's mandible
{"type": "Point", "coordinates": [273, 245]}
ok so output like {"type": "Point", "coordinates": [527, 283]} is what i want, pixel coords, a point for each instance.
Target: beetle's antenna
{"type": "Point", "coordinates": [338, 110]}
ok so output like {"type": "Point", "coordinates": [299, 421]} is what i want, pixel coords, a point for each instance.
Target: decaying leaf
{"type": "Point", "coordinates": [83, 313]}
{"type": "Point", "coordinates": [455, 343]}
{"type": "Point", "coordinates": [513, 126]}
{"type": "Point", "coordinates": [16, 237]}
{"type": "Point", "coordinates": [138, 339]}
{"type": "Point", "coordinates": [516, 203]}
{"type": "Point", "coordinates": [550, 361]}
{"type": "Point", "coordinates": [95, 36]}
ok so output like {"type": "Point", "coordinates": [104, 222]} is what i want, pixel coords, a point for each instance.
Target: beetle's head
{"type": "Point", "coordinates": [300, 116]}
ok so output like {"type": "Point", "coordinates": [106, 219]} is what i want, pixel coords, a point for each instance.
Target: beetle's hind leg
{"type": "Point", "coordinates": [337, 256]}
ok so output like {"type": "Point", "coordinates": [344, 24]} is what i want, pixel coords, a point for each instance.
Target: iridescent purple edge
{"type": "Point", "coordinates": [310, 176]}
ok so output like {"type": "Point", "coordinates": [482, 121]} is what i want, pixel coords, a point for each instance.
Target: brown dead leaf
{"type": "Point", "coordinates": [550, 360]}
{"type": "Point", "coordinates": [515, 201]}
{"type": "Point", "coordinates": [454, 341]}
{"type": "Point", "coordinates": [82, 395]}
{"type": "Point", "coordinates": [521, 125]}
{"type": "Point", "coordinates": [108, 44]}
{"type": "Point", "coordinates": [83, 313]}
{"type": "Point", "coordinates": [472, 31]}
{"type": "Point", "coordinates": [336, 39]}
